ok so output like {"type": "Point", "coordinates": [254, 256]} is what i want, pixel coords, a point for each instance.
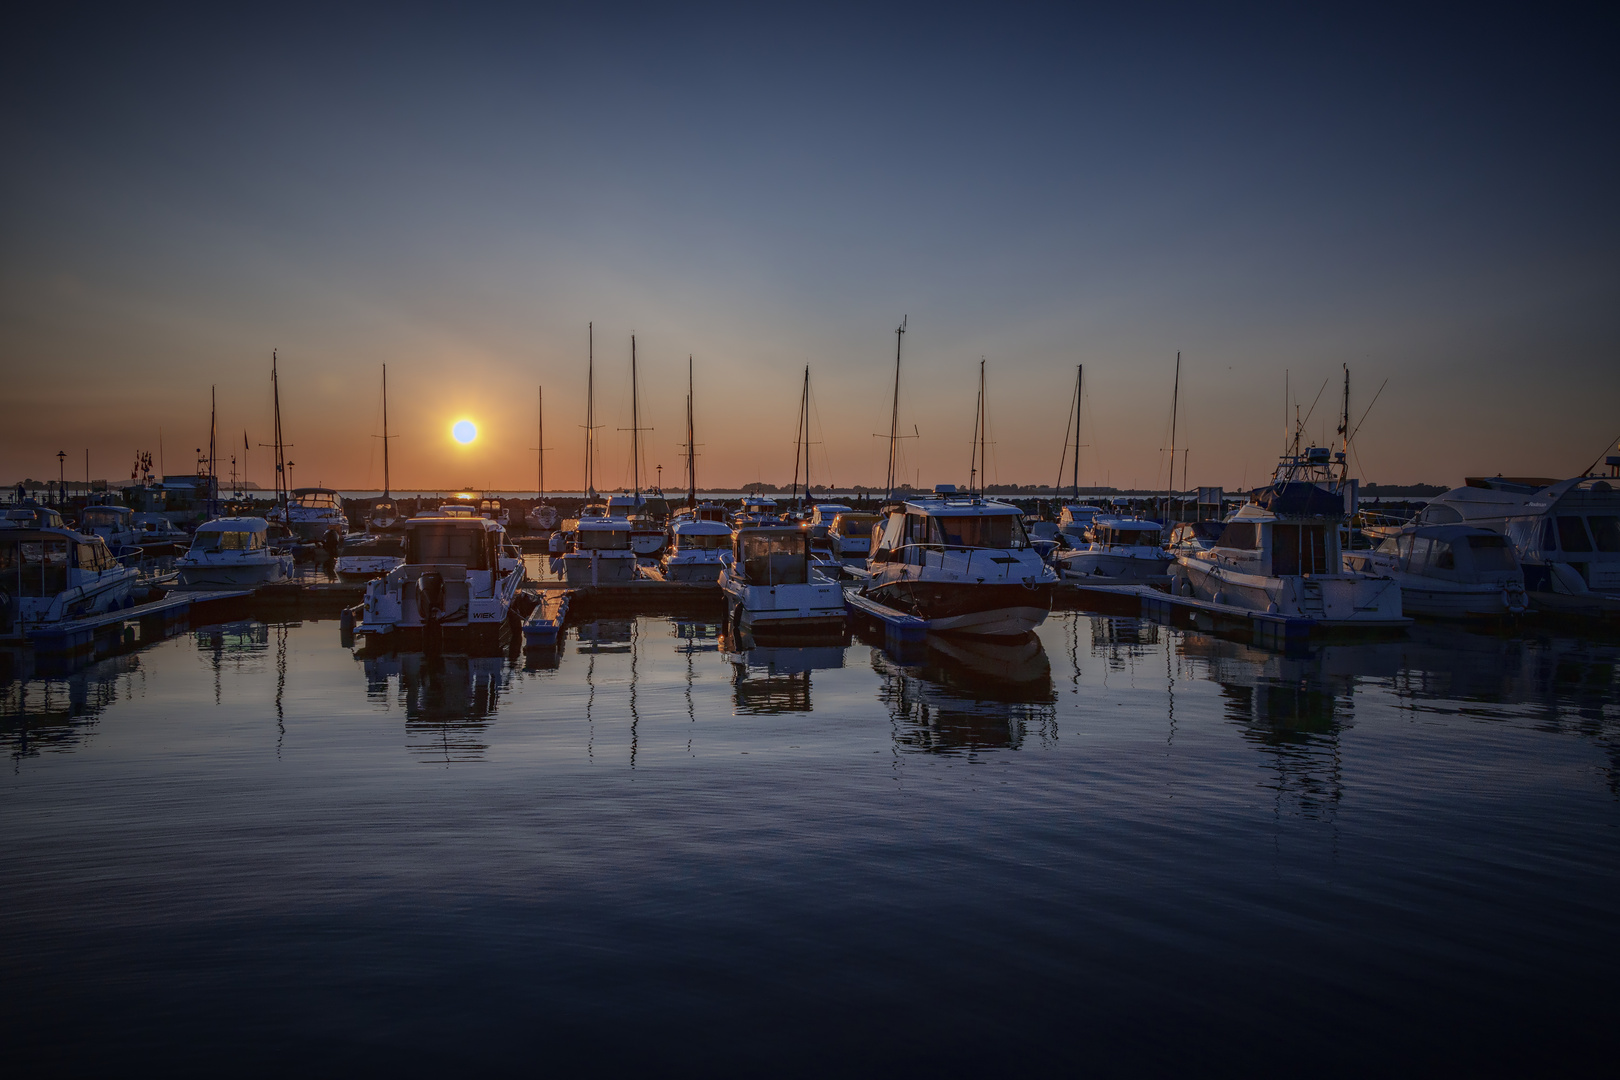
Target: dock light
{"type": "Point", "coordinates": [464, 431]}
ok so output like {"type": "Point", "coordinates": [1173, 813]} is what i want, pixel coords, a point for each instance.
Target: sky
{"type": "Point", "coordinates": [460, 192]}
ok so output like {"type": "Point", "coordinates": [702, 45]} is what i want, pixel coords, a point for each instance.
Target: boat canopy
{"type": "Point", "coordinates": [1300, 498]}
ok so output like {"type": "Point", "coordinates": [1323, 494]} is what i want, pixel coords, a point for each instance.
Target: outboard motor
{"type": "Point", "coordinates": [430, 597]}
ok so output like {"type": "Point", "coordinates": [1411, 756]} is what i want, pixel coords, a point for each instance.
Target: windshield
{"type": "Point", "coordinates": [225, 540]}
{"type": "Point", "coordinates": [989, 531]}
{"type": "Point", "coordinates": [604, 539]}
{"type": "Point", "coordinates": [446, 544]}
{"type": "Point", "coordinates": [1606, 530]}
{"type": "Point", "coordinates": [775, 558]}
{"type": "Point", "coordinates": [316, 501]}
{"type": "Point", "coordinates": [96, 518]}
{"type": "Point", "coordinates": [855, 526]}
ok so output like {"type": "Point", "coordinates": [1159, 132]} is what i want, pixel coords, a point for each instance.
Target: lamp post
{"type": "Point", "coordinates": [61, 477]}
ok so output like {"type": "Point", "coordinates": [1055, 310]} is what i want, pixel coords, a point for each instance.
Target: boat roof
{"type": "Point", "coordinates": [959, 506]}
{"type": "Point", "coordinates": [602, 524]}
{"type": "Point", "coordinates": [702, 528]}
{"type": "Point", "coordinates": [857, 514]}
{"type": "Point", "coordinates": [461, 521]}
{"type": "Point", "coordinates": [313, 491]}
{"type": "Point", "coordinates": [1129, 523]}
{"type": "Point", "coordinates": [769, 531]}
{"type": "Point", "coordinates": [832, 507]}
{"type": "Point", "coordinates": [240, 524]}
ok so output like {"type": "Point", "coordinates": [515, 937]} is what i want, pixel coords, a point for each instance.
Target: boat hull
{"type": "Point", "coordinates": [1105, 568]}
{"type": "Point", "coordinates": [692, 573]}
{"type": "Point", "coordinates": [990, 610]}
{"type": "Point", "coordinates": [598, 568]}
{"type": "Point", "coordinates": [234, 575]}
{"type": "Point", "coordinates": [1344, 601]}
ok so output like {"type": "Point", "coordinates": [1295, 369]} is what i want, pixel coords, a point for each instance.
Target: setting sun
{"type": "Point", "coordinates": [464, 431]}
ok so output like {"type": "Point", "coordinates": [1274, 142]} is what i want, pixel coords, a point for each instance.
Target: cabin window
{"type": "Point", "coordinates": [1240, 534]}
{"type": "Point", "coordinates": [775, 559]}
{"type": "Point", "coordinates": [44, 566]}
{"type": "Point", "coordinates": [989, 531]}
{"type": "Point", "coordinates": [1491, 554]}
{"type": "Point", "coordinates": [1444, 558]}
{"type": "Point", "coordinates": [916, 529]}
{"type": "Point", "coordinates": [430, 544]}
{"type": "Point", "coordinates": [1299, 549]}
{"type": "Point", "coordinates": [1548, 543]}
{"type": "Point", "coordinates": [1606, 531]}
{"type": "Point", "coordinates": [1390, 546]}
{"type": "Point", "coordinates": [603, 540]}
{"type": "Point", "coordinates": [1572, 534]}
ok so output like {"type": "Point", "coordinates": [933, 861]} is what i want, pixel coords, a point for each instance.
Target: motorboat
{"type": "Point", "coordinates": [771, 586]}
{"type": "Point", "coordinates": [459, 574]}
{"type": "Point", "coordinates": [1075, 520]}
{"type": "Point", "coordinates": [963, 564]}
{"type": "Point", "coordinates": [316, 515]}
{"type": "Point", "coordinates": [370, 555]}
{"type": "Point", "coordinates": [850, 536]}
{"type": "Point", "coordinates": [756, 510]}
{"type": "Point", "coordinates": [1566, 534]}
{"type": "Point", "coordinates": [601, 553]}
{"type": "Point", "coordinates": [694, 552]}
{"type": "Point", "coordinates": [157, 536]}
{"type": "Point", "coordinates": [29, 513]}
{"type": "Point", "coordinates": [1448, 571]}
{"type": "Point", "coordinates": [1119, 551]}
{"type": "Point", "coordinates": [50, 574]}
{"type": "Point", "coordinates": [542, 517]}
{"type": "Point", "coordinates": [233, 553]}
{"type": "Point", "coordinates": [822, 516]}
{"type": "Point", "coordinates": [116, 527]}
{"type": "Point", "coordinates": [703, 511]}
{"type": "Point", "coordinates": [648, 516]}
{"type": "Point", "coordinates": [1191, 537]}
{"type": "Point", "coordinates": [1280, 553]}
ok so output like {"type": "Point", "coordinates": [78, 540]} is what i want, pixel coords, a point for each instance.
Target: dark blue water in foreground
{"type": "Point", "coordinates": [249, 849]}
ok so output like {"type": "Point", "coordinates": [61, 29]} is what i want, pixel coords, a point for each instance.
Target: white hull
{"type": "Point", "coordinates": [1108, 568]}
{"type": "Point", "coordinates": [1001, 622]}
{"type": "Point", "coordinates": [706, 572]}
{"type": "Point", "coordinates": [1329, 600]}
{"type": "Point", "coordinates": [598, 567]}
{"type": "Point", "coordinates": [235, 575]}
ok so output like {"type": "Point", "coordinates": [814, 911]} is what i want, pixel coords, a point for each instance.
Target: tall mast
{"type": "Point", "coordinates": [590, 413]}
{"type": "Point", "coordinates": [807, 499]}
{"type": "Point", "coordinates": [894, 414]}
{"type": "Point", "coordinates": [1175, 401]}
{"type": "Point", "coordinates": [801, 434]}
{"type": "Point", "coordinates": [982, 422]}
{"type": "Point", "coordinates": [281, 449]}
{"type": "Point", "coordinates": [1344, 429]}
{"type": "Point", "coordinates": [387, 482]}
{"type": "Point", "coordinates": [213, 483]}
{"type": "Point", "coordinates": [691, 449]}
{"type": "Point", "coordinates": [635, 427]}
{"type": "Point", "coordinates": [541, 447]}
{"type": "Point", "coordinates": [976, 460]}
{"type": "Point", "coordinates": [1079, 380]}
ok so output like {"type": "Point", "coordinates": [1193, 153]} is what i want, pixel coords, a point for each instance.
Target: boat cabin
{"type": "Point", "coordinates": [949, 522]}
{"type": "Point", "coordinates": [31, 515]}
{"type": "Point", "coordinates": [602, 534]}
{"type": "Point", "coordinates": [44, 562]}
{"type": "Point", "coordinates": [1126, 532]}
{"type": "Point", "coordinates": [1459, 552]}
{"type": "Point", "coordinates": [104, 520]}
{"type": "Point", "coordinates": [1264, 544]}
{"type": "Point", "coordinates": [852, 526]}
{"type": "Point", "coordinates": [772, 555]}
{"type": "Point", "coordinates": [231, 534]}
{"type": "Point", "coordinates": [470, 542]}
{"type": "Point", "coordinates": [321, 499]}
{"type": "Point", "coordinates": [701, 536]}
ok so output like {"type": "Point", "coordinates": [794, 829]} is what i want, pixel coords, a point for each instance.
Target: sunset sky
{"type": "Point", "coordinates": [459, 193]}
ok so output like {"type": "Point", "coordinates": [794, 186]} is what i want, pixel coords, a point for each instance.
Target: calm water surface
{"type": "Point", "coordinates": [1122, 846]}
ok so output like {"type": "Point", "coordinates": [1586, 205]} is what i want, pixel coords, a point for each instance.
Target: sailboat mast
{"type": "Point", "coordinates": [281, 449]}
{"type": "Point", "coordinates": [691, 448]}
{"type": "Point", "coordinates": [894, 413]}
{"type": "Point", "coordinates": [982, 421]}
{"type": "Point", "coordinates": [213, 482]}
{"type": "Point", "coordinates": [1079, 381]}
{"type": "Point", "coordinates": [1344, 429]}
{"type": "Point", "coordinates": [590, 412]}
{"type": "Point", "coordinates": [1175, 401]}
{"type": "Point", "coordinates": [541, 425]}
{"type": "Point", "coordinates": [807, 499]}
{"type": "Point", "coordinates": [387, 482]}
{"type": "Point", "coordinates": [635, 426]}
{"type": "Point", "coordinates": [801, 440]}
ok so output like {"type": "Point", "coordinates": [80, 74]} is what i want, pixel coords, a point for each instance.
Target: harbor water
{"type": "Point", "coordinates": [1117, 846]}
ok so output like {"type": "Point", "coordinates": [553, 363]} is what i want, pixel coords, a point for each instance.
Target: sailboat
{"type": "Point", "coordinates": [648, 514]}
{"type": "Point", "coordinates": [542, 516]}
{"type": "Point", "coordinates": [698, 533]}
{"type": "Point", "coordinates": [1075, 518]}
{"type": "Point", "coordinates": [600, 551]}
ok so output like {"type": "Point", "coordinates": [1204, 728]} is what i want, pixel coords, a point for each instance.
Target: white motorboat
{"type": "Point", "coordinates": [822, 516]}
{"type": "Point", "coordinates": [962, 563]}
{"type": "Point", "coordinates": [459, 574]}
{"type": "Point", "coordinates": [116, 527]}
{"type": "Point", "coordinates": [771, 586]}
{"type": "Point", "coordinates": [542, 517]}
{"type": "Point", "coordinates": [233, 553]}
{"type": "Point", "coordinates": [1119, 551]}
{"type": "Point", "coordinates": [370, 555]}
{"type": "Point", "coordinates": [1448, 571]}
{"type": "Point", "coordinates": [1191, 537]}
{"type": "Point", "coordinates": [1566, 534]}
{"type": "Point", "coordinates": [850, 536]}
{"type": "Point", "coordinates": [601, 553]}
{"type": "Point", "coordinates": [756, 510]}
{"type": "Point", "coordinates": [157, 536]}
{"type": "Point", "coordinates": [1280, 553]}
{"type": "Point", "coordinates": [1075, 521]}
{"type": "Point", "coordinates": [647, 516]}
{"type": "Point", "coordinates": [50, 574]}
{"type": "Point", "coordinates": [316, 515]}
{"type": "Point", "coordinates": [694, 552]}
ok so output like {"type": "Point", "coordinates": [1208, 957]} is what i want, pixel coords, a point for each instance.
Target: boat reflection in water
{"type": "Point", "coordinates": [966, 695]}
{"type": "Point", "coordinates": [776, 679]}
{"type": "Point", "coordinates": [449, 699]}
{"type": "Point", "coordinates": [56, 713]}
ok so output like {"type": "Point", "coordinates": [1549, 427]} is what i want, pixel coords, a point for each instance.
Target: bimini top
{"type": "Point", "coordinates": [240, 524]}
{"type": "Point", "coordinates": [1299, 498]}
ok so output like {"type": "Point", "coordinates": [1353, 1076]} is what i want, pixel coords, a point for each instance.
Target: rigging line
{"type": "Point", "coordinates": [1363, 419]}
{"type": "Point", "coordinates": [1312, 409]}
{"type": "Point", "coordinates": [1063, 458]}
